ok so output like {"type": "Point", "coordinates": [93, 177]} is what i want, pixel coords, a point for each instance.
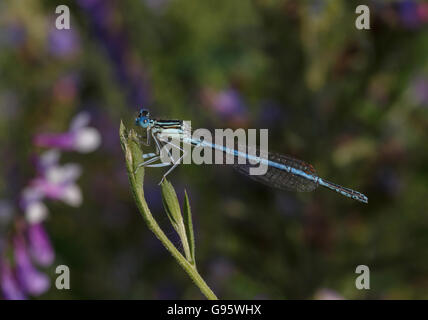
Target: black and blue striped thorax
{"type": "Point", "coordinates": [168, 124]}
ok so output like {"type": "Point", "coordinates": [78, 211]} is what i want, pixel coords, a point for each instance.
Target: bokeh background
{"type": "Point", "coordinates": [353, 103]}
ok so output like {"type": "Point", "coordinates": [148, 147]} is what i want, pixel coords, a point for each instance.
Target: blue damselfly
{"type": "Point", "coordinates": [283, 172]}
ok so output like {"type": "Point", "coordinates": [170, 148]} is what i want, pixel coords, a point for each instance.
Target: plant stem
{"type": "Point", "coordinates": [132, 152]}
{"type": "Point", "coordinates": [155, 228]}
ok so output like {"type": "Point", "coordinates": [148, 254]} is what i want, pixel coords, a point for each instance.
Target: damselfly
{"type": "Point", "coordinates": [283, 172]}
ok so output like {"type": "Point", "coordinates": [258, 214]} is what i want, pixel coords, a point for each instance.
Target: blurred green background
{"type": "Point", "coordinates": [353, 103]}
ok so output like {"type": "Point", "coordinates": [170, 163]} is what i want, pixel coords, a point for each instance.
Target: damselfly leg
{"type": "Point", "coordinates": [174, 163]}
{"type": "Point", "coordinates": [153, 157]}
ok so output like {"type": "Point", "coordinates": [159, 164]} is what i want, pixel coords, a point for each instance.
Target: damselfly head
{"type": "Point", "coordinates": [143, 118]}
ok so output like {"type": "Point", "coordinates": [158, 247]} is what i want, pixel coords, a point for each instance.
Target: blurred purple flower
{"type": "Point", "coordinates": [59, 184]}
{"type": "Point", "coordinates": [228, 104]}
{"type": "Point", "coordinates": [9, 285]}
{"type": "Point", "coordinates": [63, 43]}
{"type": "Point", "coordinates": [423, 12]}
{"type": "Point", "coordinates": [31, 202]}
{"type": "Point", "coordinates": [88, 3]}
{"type": "Point", "coordinates": [32, 281]}
{"type": "Point", "coordinates": [46, 161]}
{"type": "Point", "coordinates": [408, 12]}
{"type": "Point", "coordinates": [328, 294]}
{"type": "Point", "coordinates": [79, 138]}
{"type": "Point", "coordinates": [40, 246]}
{"type": "Point", "coordinates": [53, 182]}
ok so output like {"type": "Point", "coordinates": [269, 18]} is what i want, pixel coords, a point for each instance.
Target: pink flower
{"type": "Point", "coordinates": [32, 281]}
{"type": "Point", "coordinates": [328, 294]}
{"type": "Point", "coordinates": [227, 104]}
{"type": "Point", "coordinates": [63, 43]}
{"type": "Point", "coordinates": [52, 182]}
{"type": "Point", "coordinates": [39, 244]}
{"type": "Point", "coordinates": [9, 285]}
{"type": "Point", "coordinates": [79, 138]}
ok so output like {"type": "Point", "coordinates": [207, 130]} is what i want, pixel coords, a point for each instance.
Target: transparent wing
{"type": "Point", "coordinates": [281, 179]}
{"type": "Point", "coordinates": [274, 177]}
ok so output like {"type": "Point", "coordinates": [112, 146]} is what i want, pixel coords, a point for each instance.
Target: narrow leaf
{"type": "Point", "coordinates": [171, 205]}
{"type": "Point", "coordinates": [189, 226]}
{"type": "Point", "coordinates": [137, 157]}
{"type": "Point", "coordinates": [122, 132]}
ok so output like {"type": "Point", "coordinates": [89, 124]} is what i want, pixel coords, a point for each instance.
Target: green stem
{"type": "Point", "coordinates": [132, 152]}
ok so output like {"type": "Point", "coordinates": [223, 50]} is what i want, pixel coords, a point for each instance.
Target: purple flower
{"type": "Point", "coordinates": [59, 184]}
{"type": "Point", "coordinates": [328, 294]}
{"type": "Point", "coordinates": [53, 182]}
{"type": "Point", "coordinates": [227, 104]}
{"type": "Point", "coordinates": [31, 202]}
{"type": "Point", "coordinates": [9, 285]}
{"type": "Point", "coordinates": [63, 43]}
{"type": "Point", "coordinates": [40, 246]}
{"type": "Point", "coordinates": [79, 138]}
{"type": "Point", "coordinates": [88, 3]}
{"type": "Point", "coordinates": [32, 281]}
{"type": "Point", "coordinates": [408, 12]}
{"type": "Point", "coordinates": [423, 12]}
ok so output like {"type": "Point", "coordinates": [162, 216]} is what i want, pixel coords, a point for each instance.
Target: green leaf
{"type": "Point", "coordinates": [189, 226]}
{"type": "Point", "coordinates": [171, 205]}
{"type": "Point", "coordinates": [172, 208]}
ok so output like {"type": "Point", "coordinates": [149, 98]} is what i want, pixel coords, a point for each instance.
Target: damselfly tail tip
{"type": "Point", "coordinates": [363, 198]}
{"type": "Point", "coordinates": [344, 191]}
